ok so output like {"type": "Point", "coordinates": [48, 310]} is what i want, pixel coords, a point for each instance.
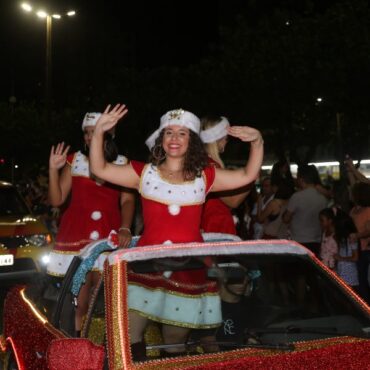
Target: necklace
{"type": "Point", "coordinates": [170, 173]}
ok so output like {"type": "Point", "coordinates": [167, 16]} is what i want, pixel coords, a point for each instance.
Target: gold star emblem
{"type": "Point", "coordinates": [176, 114]}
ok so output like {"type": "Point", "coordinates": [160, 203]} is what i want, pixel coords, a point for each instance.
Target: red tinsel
{"type": "Point", "coordinates": [75, 354]}
{"type": "Point", "coordinates": [344, 356]}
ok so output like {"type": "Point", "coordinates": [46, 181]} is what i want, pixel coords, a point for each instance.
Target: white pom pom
{"type": "Point", "coordinates": [174, 209]}
{"type": "Point", "coordinates": [96, 215]}
{"type": "Point", "coordinates": [94, 235]}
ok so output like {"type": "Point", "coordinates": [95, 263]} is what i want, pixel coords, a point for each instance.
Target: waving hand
{"type": "Point", "coordinates": [110, 117]}
{"type": "Point", "coordinates": [58, 156]}
{"type": "Point", "coordinates": [245, 133]}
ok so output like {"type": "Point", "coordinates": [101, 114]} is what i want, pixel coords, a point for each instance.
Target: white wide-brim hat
{"type": "Point", "coordinates": [217, 132]}
{"type": "Point", "coordinates": [90, 119]}
{"type": "Point", "coordinates": [178, 117]}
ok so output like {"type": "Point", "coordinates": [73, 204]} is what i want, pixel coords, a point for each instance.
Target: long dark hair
{"type": "Point", "coordinates": [343, 226]}
{"type": "Point", "coordinates": [110, 148]}
{"type": "Point", "coordinates": [196, 158]}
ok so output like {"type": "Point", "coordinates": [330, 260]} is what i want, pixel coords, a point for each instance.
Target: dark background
{"type": "Point", "coordinates": [261, 63]}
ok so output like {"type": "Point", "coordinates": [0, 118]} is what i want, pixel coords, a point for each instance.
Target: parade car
{"type": "Point", "coordinates": [300, 314]}
{"type": "Point", "coordinates": [25, 241]}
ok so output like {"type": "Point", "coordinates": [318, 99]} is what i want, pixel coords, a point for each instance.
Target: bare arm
{"type": "Point", "coordinates": [354, 174]}
{"type": "Point", "coordinates": [127, 203]}
{"type": "Point", "coordinates": [262, 214]}
{"type": "Point", "coordinates": [115, 174]}
{"type": "Point", "coordinates": [235, 198]}
{"type": "Point", "coordinates": [363, 234]}
{"type": "Point", "coordinates": [287, 216]}
{"type": "Point", "coordinates": [60, 177]}
{"type": "Point", "coordinates": [232, 179]}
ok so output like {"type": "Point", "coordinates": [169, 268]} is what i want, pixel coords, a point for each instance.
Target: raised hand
{"type": "Point", "coordinates": [110, 117]}
{"type": "Point", "coordinates": [58, 156]}
{"type": "Point", "coordinates": [245, 133]}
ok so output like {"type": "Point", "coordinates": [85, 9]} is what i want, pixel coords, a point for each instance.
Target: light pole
{"type": "Point", "coordinates": [48, 61]}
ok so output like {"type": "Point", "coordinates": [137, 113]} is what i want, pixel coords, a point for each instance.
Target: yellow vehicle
{"type": "Point", "coordinates": [25, 241]}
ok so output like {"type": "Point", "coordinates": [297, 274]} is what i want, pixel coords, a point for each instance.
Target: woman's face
{"type": "Point", "coordinates": [88, 133]}
{"type": "Point", "coordinates": [176, 140]}
{"type": "Point", "coordinates": [221, 143]}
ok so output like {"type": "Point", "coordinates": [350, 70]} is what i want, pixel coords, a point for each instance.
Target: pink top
{"type": "Point", "coordinates": [329, 248]}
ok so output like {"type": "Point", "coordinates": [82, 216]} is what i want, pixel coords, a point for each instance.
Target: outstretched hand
{"type": "Point", "coordinates": [110, 117]}
{"type": "Point", "coordinates": [58, 156]}
{"type": "Point", "coordinates": [245, 133]}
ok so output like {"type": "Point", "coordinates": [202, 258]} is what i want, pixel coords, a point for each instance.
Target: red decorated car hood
{"type": "Point", "coordinates": [334, 353]}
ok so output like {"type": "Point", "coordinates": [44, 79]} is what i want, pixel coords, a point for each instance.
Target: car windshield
{"type": "Point", "coordinates": [227, 302]}
{"type": "Point", "coordinates": [11, 203]}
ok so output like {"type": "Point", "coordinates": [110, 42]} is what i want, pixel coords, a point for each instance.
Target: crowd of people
{"type": "Point", "coordinates": [185, 189]}
{"type": "Point", "coordinates": [318, 217]}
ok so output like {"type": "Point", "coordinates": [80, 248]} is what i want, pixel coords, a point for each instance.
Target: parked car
{"type": "Point", "coordinates": [300, 314]}
{"type": "Point", "coordinates": [25, 241]}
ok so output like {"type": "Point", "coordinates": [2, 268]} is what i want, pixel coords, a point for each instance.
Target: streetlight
{"type": "Point", "coordinates": [43, 14]}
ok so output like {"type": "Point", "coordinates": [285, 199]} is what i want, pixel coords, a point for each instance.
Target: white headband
{"type": "Point", "coordinates": [90, 119]}
{"type": "Point", "coordinates": [212, 134]}
{"type": "Point", "coordinates": [175, 117]}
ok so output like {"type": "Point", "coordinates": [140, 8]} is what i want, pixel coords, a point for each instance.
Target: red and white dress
{"type": "Point", "coordinates": [92, 213]}
{"type": "Point", "coordinates": [172, 214]}
{"type": "Point", "coordinates": [217, 217]}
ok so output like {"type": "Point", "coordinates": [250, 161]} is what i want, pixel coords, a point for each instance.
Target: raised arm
{"type": "Point", "coordinates": [354, 174]}
{"type": "Point", "coordinates": [232, 179]}
{"type": "Point", "coordinates": [115, 174]}
{"type": "Point", "coordinates": [60, 177]}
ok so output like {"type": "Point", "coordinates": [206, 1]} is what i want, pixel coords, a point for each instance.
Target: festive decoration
{"type": "Point", "coordinates": [174, 209]}
{"type": "Point", "coordinates": [81, 354]}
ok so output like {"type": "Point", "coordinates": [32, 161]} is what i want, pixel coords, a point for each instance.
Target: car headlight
{"type": "Point", "coordinates": [45, 259]}
{"type": "Point", "coordinates": [39, 240]}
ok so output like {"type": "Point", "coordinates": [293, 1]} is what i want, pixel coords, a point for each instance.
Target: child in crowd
{"type": "Point", "coordinates": [329, 246]}
{"type": "Point", "coordinates": [348, 250]}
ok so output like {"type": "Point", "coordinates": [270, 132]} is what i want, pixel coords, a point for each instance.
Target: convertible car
{"type": "Point", "coordinates": [294, 312]}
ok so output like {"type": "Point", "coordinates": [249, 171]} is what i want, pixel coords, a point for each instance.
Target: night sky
{"type": "Point", "coordinates": [109, 33]}
{"type": "Point", "coordinates": [103, 34]}
{"type": "Point", "coordinates": [153, 56]}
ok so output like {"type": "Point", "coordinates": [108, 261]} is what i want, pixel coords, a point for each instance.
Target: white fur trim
{"type": "Point", "coordinates": [212, 134]}
{"type": "Point", "coordinates": [80, 166]}
{"type": "Point", "coordinates": [155, 188]}
{"type": "Point", "coordinates": [175, 117]}
{"type": "Point", "coordinates": [90, 119]}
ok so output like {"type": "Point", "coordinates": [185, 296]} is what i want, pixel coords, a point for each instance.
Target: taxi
{"type": "Point", "coordinates": [25, 241]}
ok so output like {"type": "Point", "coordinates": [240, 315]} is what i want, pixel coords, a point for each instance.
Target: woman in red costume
{"type": "Point", "coordinates": [173, 187]}
{"type": "Point", "coordinates": [217, 217]}
{"type": "Point", "coordinates": [95, 207]}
